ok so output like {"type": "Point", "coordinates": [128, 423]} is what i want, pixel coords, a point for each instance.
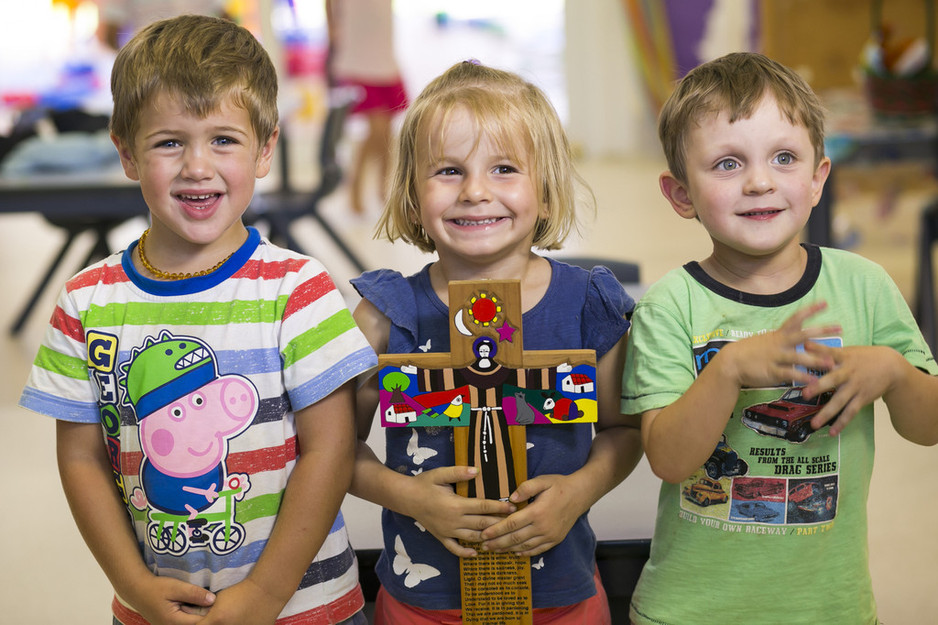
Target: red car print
{"type": "Point", "coordinates": [788, 417]}
{"type": "Point", "coordinates": [810, 502]}
{"type": "Point", "coordinates": [758, 488]}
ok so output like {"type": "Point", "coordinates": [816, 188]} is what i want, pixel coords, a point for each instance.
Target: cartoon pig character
{"type": "Point", "coordinates": [186, 414]}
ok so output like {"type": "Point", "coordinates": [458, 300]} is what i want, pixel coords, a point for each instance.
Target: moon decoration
{"type": "Point", "coordinates": [460, 323]}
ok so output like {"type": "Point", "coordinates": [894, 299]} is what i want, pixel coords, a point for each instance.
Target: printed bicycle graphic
{"type": "Point", "coordinates": [176, 533]}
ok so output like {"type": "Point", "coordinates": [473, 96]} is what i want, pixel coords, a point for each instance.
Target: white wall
{"type": "Point", "coordinates": [609, 111]}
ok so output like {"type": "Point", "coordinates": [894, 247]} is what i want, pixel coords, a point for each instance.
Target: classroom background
{"type": "Point", "coordinates": [605, 64]}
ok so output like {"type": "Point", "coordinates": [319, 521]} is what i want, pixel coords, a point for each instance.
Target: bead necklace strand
{"type": "Point", "coordinates": [164, 275]}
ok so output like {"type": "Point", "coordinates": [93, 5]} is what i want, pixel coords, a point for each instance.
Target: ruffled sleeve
{"type": "Point", "coordinates": [607, 311]}
{"type": "Point", "coordinates": [390, 293]}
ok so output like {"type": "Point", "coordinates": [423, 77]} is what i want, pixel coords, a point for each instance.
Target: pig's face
{"type": "Point", "coordinates": [188, 436]}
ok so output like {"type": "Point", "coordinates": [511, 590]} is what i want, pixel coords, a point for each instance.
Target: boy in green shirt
{"type": "Point", "coordinates": [748, 367]}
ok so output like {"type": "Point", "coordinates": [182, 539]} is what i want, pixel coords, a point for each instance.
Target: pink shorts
{"type": "Point", "coordinates": [378, 97]}
{"type": "Point", "coordinates": [595, 610]}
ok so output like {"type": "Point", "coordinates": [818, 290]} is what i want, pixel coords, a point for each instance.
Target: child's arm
{"type": "Point", "coordinates": [680, 437]}
{"type": "Point", "coordinates": [326, 437]}
{"type": "Point", "coordinates": [103, 522]}
{"type": "Point", "coordinates": [559, 500]}
{"type": "Point", "coordinates": [863, 374]}
{"type": "Point", "coordinates": [428, 497]}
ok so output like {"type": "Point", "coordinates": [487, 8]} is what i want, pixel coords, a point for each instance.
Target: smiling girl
{"type": "Point", "coordinates": [483, 174]}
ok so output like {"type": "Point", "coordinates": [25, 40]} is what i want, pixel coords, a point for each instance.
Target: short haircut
{"type": "Point", "coordinates": [203, 61]}
{"type": "Point", "coordinates": [513, 113]}
{"type": "Point", "coordinates": [736, 84]}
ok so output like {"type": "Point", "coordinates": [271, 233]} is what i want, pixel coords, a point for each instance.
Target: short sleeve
{"type": "Point", "coordinates": [607, 311]}
{"type": "Point", "coordinates": [657, 367]}
{"type": "Point", "coordinates": [321, 346]}
{"type": "Point", "coordinates": [895, 326]}
{"type": "Point", "coordinates": [392, 295]}
{"type": "Point", "coordinates": [58, 384]}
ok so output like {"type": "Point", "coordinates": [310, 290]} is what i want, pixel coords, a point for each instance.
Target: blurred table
{"type": "Point", "coordinates": [87, 196]}
{"type": "Point", "coordinates": [857, 137]}
{"type": "Point", "coordinates": [77, 203]}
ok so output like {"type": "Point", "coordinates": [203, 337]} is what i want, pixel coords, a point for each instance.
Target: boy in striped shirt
{"type": "Point", "coordinates": [202, 378]}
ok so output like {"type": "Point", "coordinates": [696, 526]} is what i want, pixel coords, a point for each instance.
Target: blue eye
{"type": "Point", "coordinates": [785, 158]}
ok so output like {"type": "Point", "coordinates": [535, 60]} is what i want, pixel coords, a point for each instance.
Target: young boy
{"type": "Point", "coordinates": [218, 365]}
{"type": "Point", "coordinates": [754, 370]}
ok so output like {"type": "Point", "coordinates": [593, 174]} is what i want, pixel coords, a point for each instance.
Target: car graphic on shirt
{"type": "Point", "coordinates": [705, 492]}
{"type": "Point", "coordinates": [725, 462]}
{"type": "Point", "coordinates": [758, 488]}
{"type": "Point", "coordinates": [811, 497]}
{"type": "Point", "coordinates": [788, 417]}
{"type": "Point", "coordinates": [757, 511]}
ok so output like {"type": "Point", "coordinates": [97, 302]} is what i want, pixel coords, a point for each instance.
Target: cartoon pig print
{"type": "Point", "coordinates": [186, 413]}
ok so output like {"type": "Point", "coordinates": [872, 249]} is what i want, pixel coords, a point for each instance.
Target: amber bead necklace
{"type": "Point", "coordinates": [165, 275]}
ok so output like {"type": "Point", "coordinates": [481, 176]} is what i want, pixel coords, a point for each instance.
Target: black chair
{"type": "Point", "coordinates": [626, 272]}
{"type": "Point", "coordinates": [73, 227]}
{"type": "Point", "coordinates": [924, 299]}
{"type": "Point", "coordinates": [367, 560]}
{"type": "Point", "coordinates": [279, 209]}
{"type": "Point", "coordinates": [620, 564]}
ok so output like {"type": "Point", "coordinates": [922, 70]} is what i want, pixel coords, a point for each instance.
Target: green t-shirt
{"type": "Point", "coordinates": [773, 528]}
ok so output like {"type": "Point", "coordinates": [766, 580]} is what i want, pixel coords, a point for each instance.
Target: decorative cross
{"type": "Point", "coordinates": [488, 388]}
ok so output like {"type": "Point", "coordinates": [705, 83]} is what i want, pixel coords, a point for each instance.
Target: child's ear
{"type": "Point", "coordinates": [127, 158]}
{"type": "Point", "coordinates": [543, 210]}
{"type": "Point", "coordinates": [266, 156]}
{"type": "Point", "coordinates": [821, 173]}
{"type": "Point", "coordinates": [675, 192]}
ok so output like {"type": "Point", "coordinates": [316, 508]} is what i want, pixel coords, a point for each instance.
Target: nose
{"type": "Point", "coordinates": [196, 164]}
{"type": "Point", "coordinates": [759, 180]}
{"type": "Point", "coordinates": [474, 189]}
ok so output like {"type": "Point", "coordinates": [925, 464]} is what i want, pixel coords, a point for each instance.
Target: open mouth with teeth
{"type": "Point", "coordinates": [477, 222]}
{"type": "Point", "coordinates": [198, 200]}
{"type": "Point", "coordinates": [762, 213]}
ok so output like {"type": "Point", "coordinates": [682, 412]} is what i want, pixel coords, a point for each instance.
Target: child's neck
{"type": "Point", "coordinates": [164, 259]}
{"type": "Point", "coordinates": [766, 275]}
{"type": "Point", "coordinates": [533, 271]}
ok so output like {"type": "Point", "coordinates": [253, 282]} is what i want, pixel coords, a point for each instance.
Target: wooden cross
{"type": "Point", "coordinates": [488, 388]}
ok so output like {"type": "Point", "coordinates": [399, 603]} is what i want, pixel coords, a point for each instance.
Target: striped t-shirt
{"type": "Point", "coordinates": [195, 383]}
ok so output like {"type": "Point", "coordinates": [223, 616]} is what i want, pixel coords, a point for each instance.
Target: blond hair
{"type": "Point", "coordinates": [736, 84]}
{"type": "Point", "coordinates": [513, 113]}
{"type": "Point", "coordinates": [201, 59]}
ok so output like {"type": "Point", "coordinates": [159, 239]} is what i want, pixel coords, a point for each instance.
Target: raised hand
{"type": "Point", "coordinates": [859, 376]}
{"type": "Point", "coordinates": [775, 357]}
